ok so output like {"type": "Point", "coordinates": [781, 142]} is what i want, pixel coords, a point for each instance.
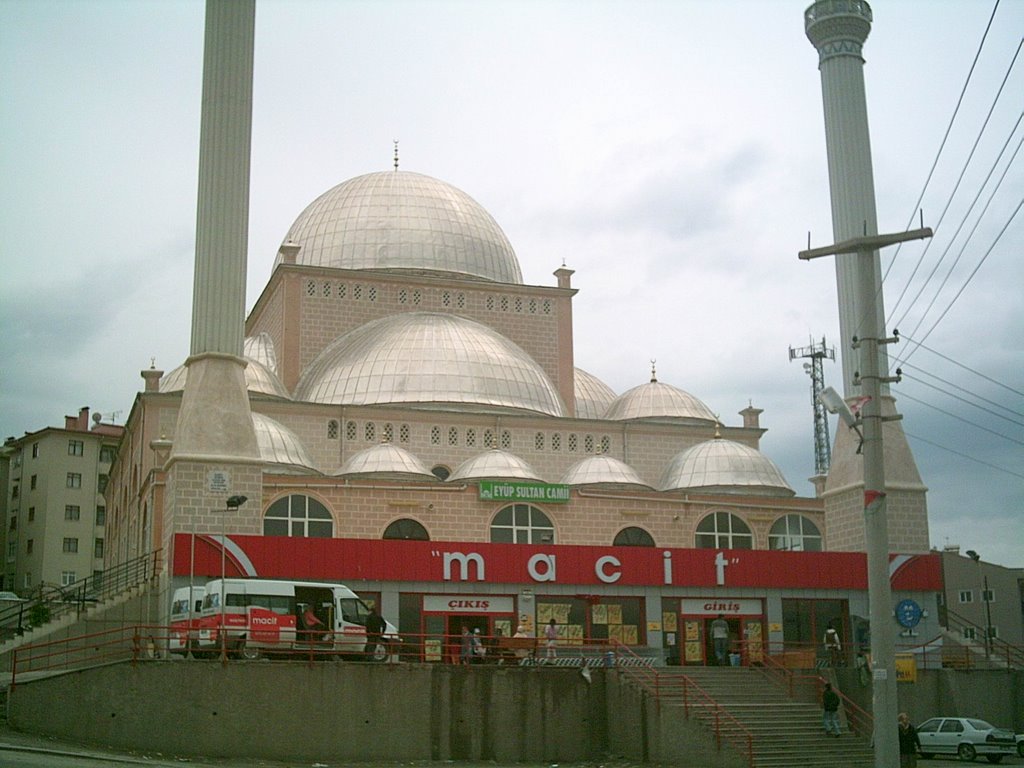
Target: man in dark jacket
{"type": "Point", "coordinates": [910, 742]}
{"type": "Point", "coordinates": [375, 626]}
{"type": "Point", "coordinates": [830, 716]}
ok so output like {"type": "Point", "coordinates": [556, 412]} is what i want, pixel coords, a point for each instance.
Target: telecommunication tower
{"type": "Point", "coordinates": [822, 443]}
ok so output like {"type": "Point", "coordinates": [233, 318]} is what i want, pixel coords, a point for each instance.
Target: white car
{"type": "Point", "coordinates": [965, 737]}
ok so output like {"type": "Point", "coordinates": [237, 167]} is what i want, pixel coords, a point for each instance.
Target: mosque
{"type": "Point", "coordinates": [401, 412]}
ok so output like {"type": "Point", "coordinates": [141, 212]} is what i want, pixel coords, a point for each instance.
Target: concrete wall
{"type": "Point", "coordinates": [331, 711]}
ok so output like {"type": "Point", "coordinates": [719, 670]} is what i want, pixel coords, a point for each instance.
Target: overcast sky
{"type": "Point", "coordinates": [672, 153]}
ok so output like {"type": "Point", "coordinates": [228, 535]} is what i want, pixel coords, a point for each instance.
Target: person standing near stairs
{"type": "Point", "coordinates": [720, 638]}
{"type": "Point", "coordinates": [830, 714]}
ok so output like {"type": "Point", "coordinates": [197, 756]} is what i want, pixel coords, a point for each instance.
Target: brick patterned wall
{"type": "Point", "coordinates": [907, 520]}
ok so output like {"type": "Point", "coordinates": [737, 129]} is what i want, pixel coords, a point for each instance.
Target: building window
{"type": "Point", "coordinates": [453, 436]}
{"type": "Point", "coordinates": [446, 298]}
{"type": "Point", "coordinates": [311, 288]}
{"type": "Point", "coordinates": [350, 430]}
{"type": "Point", "coordinates": [97, 551]}
{"type": "Point", "coordinates": [332, 430]}
{"type": "Point", "coordinates": [988, 596]}
{"type": "Point", "coordinates": [35, 450]}
{"type": "Point", "coordinates": [76, 448]}
{"type": "Point", "coordinates": [299, 516]}
{"type": "Point", "coordinates": [538, 441]}
{"type": "Point", "coordinates": [388, 433]}
{"type": "Point", "coordinates": [26, 582]}
{"type": "Point", "coordinates": [723, 530]}
{"type": "Point", "coordinates": [341, 291]}
{"type": "Point", "coordinates": [417, 297]}
{"type": "Point", "coordinates": [74, 480]}
{"type": "Point", "coordinates": [107, 453]}
{"type": "Point", "coordinates": [327, 290]}
{"type": "Point", "coordinates": [28, 546]}
{"type": "Point", "coordinates": [573, 443]}
{"type": "Point", "coordinates": [406, 529]}
{"type": "Point", "coordinates": [370, 432]}
{"type": "Point", "coordinates": [588, 444]}
{"type": "Point", "coordinates": [31, 514]}
{"type": "Point", "coordinates": [72, 512]}
{"type": "Point", "coordinates": [32, 482]}
{"type": "Point", "coordinates": [969, 633]}
{"type": "Point", "coordinates": [357, 292]}
{"type": "Point", "coordinates": [435, 435]}
{"type": "Point", "coordinates": [441, 472]}
{"type": "Point", "coordinates": [101, 515]}
{"type": "Point", "coordinates": [522, 524]}
{"type": "Point", "coordinates": [70, 544]}
{"type": "Point", "coordinates": [403, 296]}
{"type": "Point", "coordinates": [966, 596]}
{"type": "Point", "coordinates": [14, 491]}
{"type": "Point", "coordinates": [633, 537]}
{"type": "Point", "coordinates": [993, 633]}
{"type": "Point", "coordinates": [794, 533]}
{"type": "Point", "coordinates": [403, 433]}
{"type": "Point", "coordinates": [67, 578]}
{"type": "Point", "coordinates": [14, 524]}
{"type": "Point", "coordinates": [460, 300]}
{"type": "Point", "coordinates": [470, 437]}
{"type": "Point", "coordinates": [506, 440]}
{"type": "Point", "coordinates": [556, 442]}
{"type": "Point", "coordinates": [101, 483]}
{"type": "Point", "coordinates": [606, 444]}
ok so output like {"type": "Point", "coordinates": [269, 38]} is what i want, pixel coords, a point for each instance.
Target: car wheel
{"type": "Point", "coordinates": [380, 652]}
{"type": "Point", "coordinates": [994, 758]}
{"type": "Point", "coordinates": [966, 752]}
{"type": "Point", "coordinates": [247, 652]}
{"type": "Point", "coordinates": [1020, 748]}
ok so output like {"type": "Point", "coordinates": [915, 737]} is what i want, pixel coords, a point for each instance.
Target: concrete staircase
{"type": "Point", "coordinates": [785, 732]}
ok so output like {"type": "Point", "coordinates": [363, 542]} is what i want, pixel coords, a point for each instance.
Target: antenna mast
{"type": "Point", "coordinates": [822, 443]}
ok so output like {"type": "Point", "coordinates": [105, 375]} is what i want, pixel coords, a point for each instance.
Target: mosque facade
{"type": "Point", "coordinates": [426, 435]}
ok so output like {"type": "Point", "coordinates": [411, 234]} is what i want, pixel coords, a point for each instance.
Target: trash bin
{"type": "Point", "coordinates": [734, 659]}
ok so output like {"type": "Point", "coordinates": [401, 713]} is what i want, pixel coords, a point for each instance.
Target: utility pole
{"type": "Point", "coordinates": [822, 443]}
{"type": "Point", "coordinates": [876, 532]}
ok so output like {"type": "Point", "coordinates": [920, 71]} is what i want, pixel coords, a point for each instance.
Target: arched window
{"type": "Point", "coordinates": [299, 516]}
{"type": "Point", "coordinates": [406, 529]}
{"type": "Point", "coordinates": [723, 530]}
{"type": "Point", "coordinates": [633, 537]}
{"type": "Point", "coordinates": [794, 533]}
{"type": "Point", "coordinates": [441, 472]}
{"type": "Point", "coordinates": [522, 524]}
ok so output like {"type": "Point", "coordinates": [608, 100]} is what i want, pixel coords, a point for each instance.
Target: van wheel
{"type": "Point", "coordinates": [966, 753]}
{"type": "Point", "coordinates": [994, 758]}
{"type": "Point", "coordinates": [380, 652]}
{"type": "Point", "coordinates": [247, 652]}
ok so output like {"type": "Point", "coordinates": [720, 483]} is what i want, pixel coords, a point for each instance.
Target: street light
{"type": "Point", "coordinates": [986, 597]}
{"type": "Point", "coordinates": [233, 503]}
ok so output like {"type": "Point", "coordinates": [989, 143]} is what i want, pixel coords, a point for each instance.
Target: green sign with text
{"type": "Point", "coordinates": [502, 490]}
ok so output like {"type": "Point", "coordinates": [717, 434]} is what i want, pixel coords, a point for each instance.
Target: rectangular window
{"type": "Point", "coordinates": [14, 491]}
{"type": "Point", "coordinates": [966, 596]}
{"type": "Point", "coordinates": [35, 450]}
{"type": "Point", "coordinates": [12, 550]}
{"type": "Point", "coordinates": [101, 515]}
{"type": "Point", "coordinates": [968, 633]}
{"type": "Point", "coordinates": [67, 578]}
{"type": "Point", "coordinates": [988, 595]}
{"type": "Point", "coordinates": [74, 480]}
{"type": "Point", "coordinates": [28, 546]}
{"type": "Point", "coordinates": [32, 483]}
{"type": "Point", "coordinates": [101, 483]}
{"type": "Point", "coordinates": [70, 545]}
{"type": "Point", "coordinates": [31, 514]}
{"type": "Point", "coordinates": [72, 512]}
{"type": "Point", "coordinates": [27, 581]}
{"type": "Point", "coordinates": [107, 453]}
{"type": "Point", "coordinates": [993, 633]}
{"type": "Point", "coordinates": [97, 551]}
{"type": "Point", "coordinates": [76, 448]}
{"type": "Point", "coordinates": [14, 524]}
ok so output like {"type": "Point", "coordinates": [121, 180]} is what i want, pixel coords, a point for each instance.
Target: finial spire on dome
{"type": "Point", "coordinates": [654, 376]}
{"type": "Point", "coordinates": [396, 153]}
{"type": "Point", "coordinates": [718, 428]}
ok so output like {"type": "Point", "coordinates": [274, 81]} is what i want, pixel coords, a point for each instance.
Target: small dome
{"type": "Point", "coordinates": [656, 400]}
{"type": "Point", "coordinates": [724, 466]}
{"type": "Point", "coordinates": [261, 349]}
{"type": "Point", "coordinates": [279, 447]}
{"type": "Point", "coordinates": [258, 378]}
{"type": "Point", "coordinates": [494, 464]}
{"type": "Point", "coordinates": [385, 459]}
{"type": "Point", "coordinates": [396, 220]}
{"type": "Point", "coordinates": [602, 470]}
{"type": "Point", "coordinates": [593, 396]}
{"type": "Point", "coordinates": [431, 359]}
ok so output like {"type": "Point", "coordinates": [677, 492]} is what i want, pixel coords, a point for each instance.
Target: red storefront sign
{"type": "Point", "coordinates": [486, 563]}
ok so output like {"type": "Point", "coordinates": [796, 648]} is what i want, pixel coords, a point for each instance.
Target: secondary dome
{"type": "Point", "coordinates": [494, 464]}
{"type": "Point", "coordinates": [386, 459]}
{"type": "Point", "coordinates": [656, 400]}
{"type": "Point", "coordinates": [280, 449]}
{"type": "Point", "coordinates": [602, 470]}
{"type": "Point", "coordinates": [431, 359]}
{"type": "Point", "coordinates": [593, 396]}
{"type": "Point", "coordinates": [258, 378]}
{"type": "Point", "coordinates": [403, 221]}
{"type": "Point", "coordinates": [724, 466]}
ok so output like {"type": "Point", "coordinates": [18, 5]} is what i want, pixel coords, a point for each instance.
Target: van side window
{"type": "Point", "coordinates": [353, 611]}
{"type": "Point", "coordinates": [282, 604]}
{"type": "Point", "coordinates": [235, 599]}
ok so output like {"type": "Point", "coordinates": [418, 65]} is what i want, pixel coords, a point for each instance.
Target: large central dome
{"type": "Point", "coordinates": [403, 221]}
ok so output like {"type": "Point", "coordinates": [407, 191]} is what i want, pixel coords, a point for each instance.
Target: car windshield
{"type": "Point", "coordinates": [980, 725]}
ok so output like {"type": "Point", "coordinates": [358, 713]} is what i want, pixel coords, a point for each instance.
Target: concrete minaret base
{"type": "Point", "coordinates": [843, 494]}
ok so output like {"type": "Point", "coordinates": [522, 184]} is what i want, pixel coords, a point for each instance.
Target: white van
{"type": "Point", "coordinates": [261, 616]}
{"type": "Point", "coordinates": [186, 609]}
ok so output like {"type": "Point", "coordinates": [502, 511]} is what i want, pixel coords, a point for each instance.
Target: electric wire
{"type": "Point", "coordinates": [964, 400]}
{"type": "Point", "coordinates": [963, 455]}
{"type": "Point", "coordinates": [956, 386]}
{"type": "Point", "coordinates": [920, 344]}
{"type": "Point", "coordinates": [961, 418]}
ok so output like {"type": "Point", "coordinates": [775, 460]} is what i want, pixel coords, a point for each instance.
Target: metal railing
{"type": "Point", "coordinates": [997, 652]}
{"type": "Point", "coordinates": [49, 602]}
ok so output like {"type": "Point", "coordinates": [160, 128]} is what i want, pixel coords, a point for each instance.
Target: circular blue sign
{"type": "Point", "coordinates": [908, 613]}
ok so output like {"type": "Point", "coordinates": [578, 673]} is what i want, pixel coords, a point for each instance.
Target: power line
{"type": "Point", "coordinates": [921, 345]}
{"type": "Point", "coordinates": [965, 400]}
{"type": "Point", "coordinates": [961, 418]}
{"type": "Point", "coordinates": [957, 386]}
{"type": "Point", "coordinates": [963, 455]}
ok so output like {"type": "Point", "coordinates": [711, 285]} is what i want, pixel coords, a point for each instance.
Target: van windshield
{"type": "Point", "coordinates": [354, 610]}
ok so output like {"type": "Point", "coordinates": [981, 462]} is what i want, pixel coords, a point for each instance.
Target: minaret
{"type": "Point", "coordinates": [214, 452]}
{"type": "Point", "coordinates": [838, 31]}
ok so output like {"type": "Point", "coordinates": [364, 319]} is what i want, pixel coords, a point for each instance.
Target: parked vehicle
{"type": "Point", "coordinates": [261, 617]}
{"type": "Point", "coordinates": [186, 609]}
{"type": "Point", "coordinates": [1020, 744]}
{"type": "Point", "coordinates": [965, 737]}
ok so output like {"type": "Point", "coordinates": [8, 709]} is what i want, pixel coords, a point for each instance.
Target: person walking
{"type": "Point", "coordinates": [466, 650]}
{"type": "Point", "coordinates": [910, 742]}
{"type": "Point", "coordinates": [551, 638]}
{"type": "Point", "coordinates": [375, 626]}
{"type": "Point", "coordinates": [720, 638]}
{"type": "Point", "coordinates": [833, 647]}
{"type": "Point", "coordinates": [830, 711]}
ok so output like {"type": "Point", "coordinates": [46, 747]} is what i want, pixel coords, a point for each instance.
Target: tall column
{"type": "Point", "coordinates": [215, 421]}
